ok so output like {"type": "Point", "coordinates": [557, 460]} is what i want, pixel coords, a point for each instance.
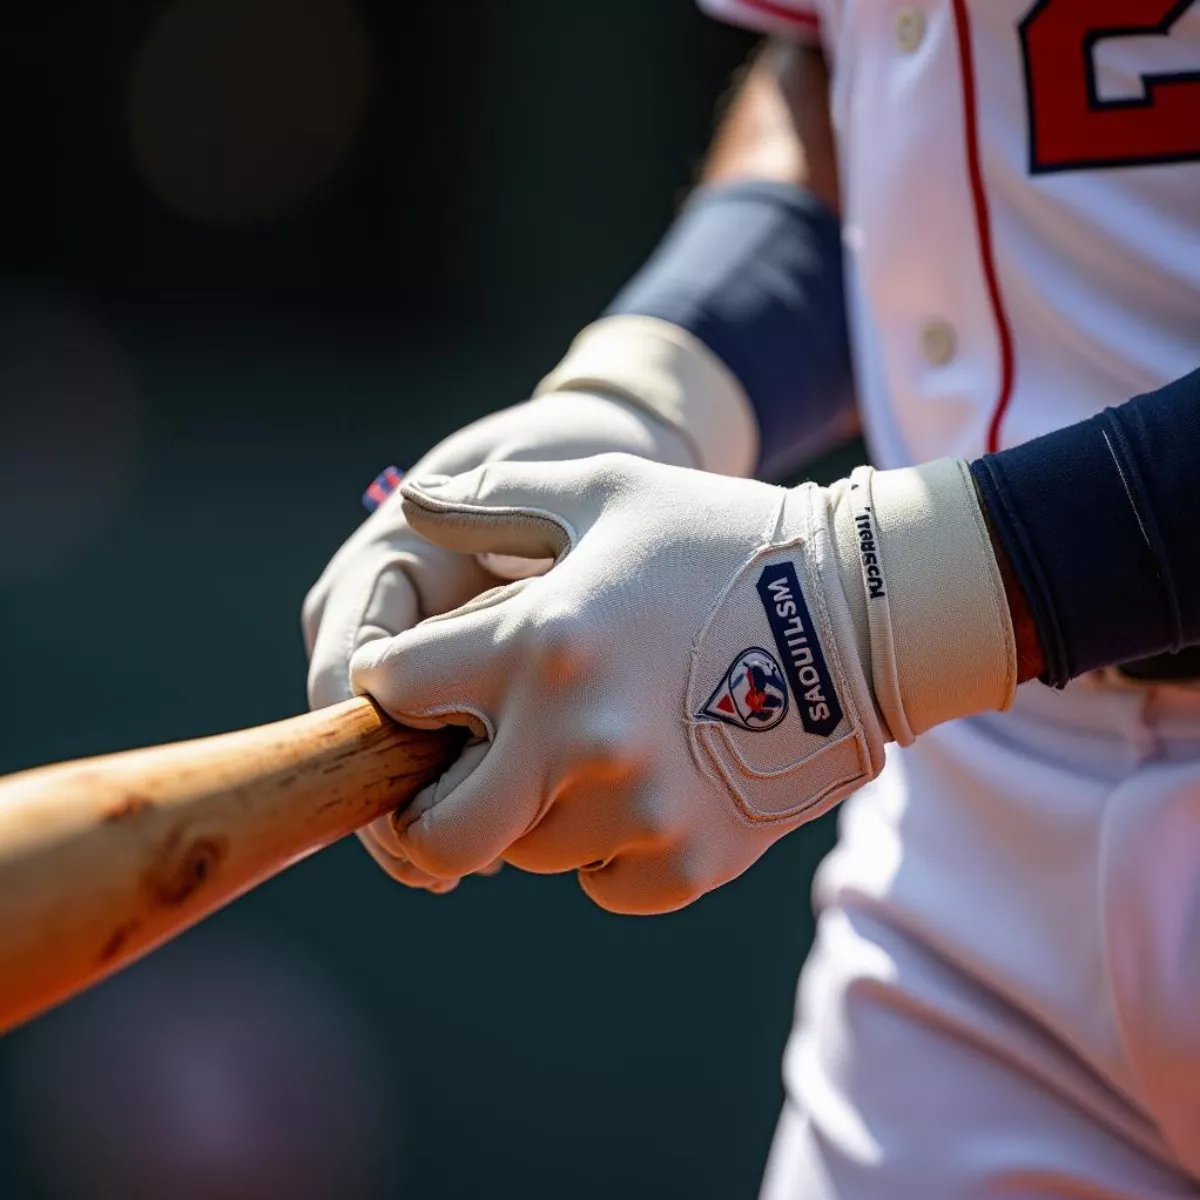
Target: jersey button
{"type": "Point", "coordinates": [910, 29]}
{"type": "Point", "coordinates": [937, 342]}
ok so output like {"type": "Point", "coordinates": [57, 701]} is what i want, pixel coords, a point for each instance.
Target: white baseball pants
{"type": "Point", "coordinates": [1004, 997]}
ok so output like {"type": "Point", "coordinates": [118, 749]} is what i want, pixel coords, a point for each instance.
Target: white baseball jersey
{"type": "Point", "coordinates": [1002, 999]}
{"type": "Point", "coordinates": [1021, 190]}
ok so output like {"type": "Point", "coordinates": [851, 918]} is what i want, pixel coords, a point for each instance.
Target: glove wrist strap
{"type": "Point", "coordinates": [941, 640]}
{"type": "Point", "coordinates": [671, 374]}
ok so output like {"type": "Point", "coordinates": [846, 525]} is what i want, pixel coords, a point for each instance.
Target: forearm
{"type": "Point", "coordinates": [1094, 526]}
{"type": "Point", "coordinates": [777, 126]}
{"type": "Point", "coordinates": [750, 280]}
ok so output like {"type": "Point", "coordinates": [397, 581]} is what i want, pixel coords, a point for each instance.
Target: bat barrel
{"type": "Point", "coordinates": [105, 858]}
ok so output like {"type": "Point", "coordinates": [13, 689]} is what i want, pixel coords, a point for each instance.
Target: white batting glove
{"type": "Point", "coordinates": [386, 578]}
{"type": "Point", "coordinates": [710, 663]}
{"type": "Point", "coordinates": [629, 384]}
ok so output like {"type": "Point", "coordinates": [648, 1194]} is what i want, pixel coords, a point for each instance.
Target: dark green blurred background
{"type": "Point", "coordinates": [254, 251]}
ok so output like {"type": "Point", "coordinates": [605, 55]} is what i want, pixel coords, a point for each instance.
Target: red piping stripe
{"type": "Point", "coordinates": [771, 8]}
{"type": "Point", "coordinates": [983, 226]}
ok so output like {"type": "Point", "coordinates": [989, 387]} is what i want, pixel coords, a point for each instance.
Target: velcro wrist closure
{"type": "Point", "coordinates": [941, 637]}
{"type": "Point", "coordinates": [674, 376]}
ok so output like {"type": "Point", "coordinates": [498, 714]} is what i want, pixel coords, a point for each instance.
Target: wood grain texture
{"type": "Point", "coordinates": [105, 858]}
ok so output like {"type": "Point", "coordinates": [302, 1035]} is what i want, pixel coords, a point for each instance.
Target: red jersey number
{"type": "Point", "coordinates": [1070, 126]}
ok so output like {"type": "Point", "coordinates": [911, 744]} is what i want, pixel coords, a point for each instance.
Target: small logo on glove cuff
{"type": "Point", "coordinates": [797, 642]}
{"type": "Point", "coordinates": [753, 695]}
{"type": "Point", "coordinates": [383, 485]}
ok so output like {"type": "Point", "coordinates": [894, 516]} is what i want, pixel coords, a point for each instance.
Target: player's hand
{"type": "Point", "coordinates": [693, 678]}
{"type": "Point", "coordinates": [385, 578]}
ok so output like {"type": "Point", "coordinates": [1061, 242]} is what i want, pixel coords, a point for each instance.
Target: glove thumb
{"type": "Point", "coordinates": [530, 510]}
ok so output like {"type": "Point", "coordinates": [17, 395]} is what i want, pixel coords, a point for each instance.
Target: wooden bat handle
{"type": "Point", "coordinates": [105, 858]}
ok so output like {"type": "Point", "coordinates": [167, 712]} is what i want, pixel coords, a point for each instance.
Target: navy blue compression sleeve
{"type": "Point", "coordinates": [1099, 523]}
{"type": "Point", "coordinates": [754, 270]}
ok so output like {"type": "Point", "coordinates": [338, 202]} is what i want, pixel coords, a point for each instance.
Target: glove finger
{"type": "Point", "coordinates": [400, 869]}
{"type": "Point", "coordinates": [474, 823]}
{"type": "Point", "coordinates": [446, 666]}
{"type": "Point", "coordinates": [644, 881]}
{"type": "Point", "coordinates": [374, 599]}
{"type": "Point", "coordinates": [530, 510]}
{"type": "Point", "coordinates": [508, 566]}
{"type": "Point", "coordinates": [589, 822]}
{"type": "Point", "coordinates": [387, 831]}
{"type": "Point", "coordinates": [384, 580]}
{"type": "Point", "coordinates": [371, 543]}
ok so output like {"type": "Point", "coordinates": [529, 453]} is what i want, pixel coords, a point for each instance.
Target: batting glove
{"type": "Point", "coordinates": [710, 663]}
{"type": "Point", "coordinates": [629, 384]}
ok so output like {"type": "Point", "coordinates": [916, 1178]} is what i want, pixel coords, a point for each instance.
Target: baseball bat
{"type": "Point", "coordinates": [105, 858]}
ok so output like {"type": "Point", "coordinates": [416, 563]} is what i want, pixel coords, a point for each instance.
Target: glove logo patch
{"type": "Point", "coordinates": [796, 639]}
{"type": "Point", "coordinates": [753, 695]}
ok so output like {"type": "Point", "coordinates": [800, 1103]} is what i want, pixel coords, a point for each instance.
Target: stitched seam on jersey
{"type": "Point", "coordinates": [983, 225]}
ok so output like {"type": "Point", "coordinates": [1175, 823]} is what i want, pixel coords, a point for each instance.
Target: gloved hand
{"type": "Point", "coordinates": [631, 384]}
{"type": "Point", "coordinates": [710, 663]}
{"type": "Point", "coordinates": [386, 578]}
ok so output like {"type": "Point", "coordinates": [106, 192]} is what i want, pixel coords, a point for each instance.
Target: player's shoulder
{"type": "Point", "coordinates": [797, 19]}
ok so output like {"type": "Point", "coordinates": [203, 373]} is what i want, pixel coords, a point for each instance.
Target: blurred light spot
{"type": "Point", "coordinates": [69, 433]}
{"type": "Point", "coordinates": [238, 109]}
{"type": "Point", "coordinates": [213, 1069]}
